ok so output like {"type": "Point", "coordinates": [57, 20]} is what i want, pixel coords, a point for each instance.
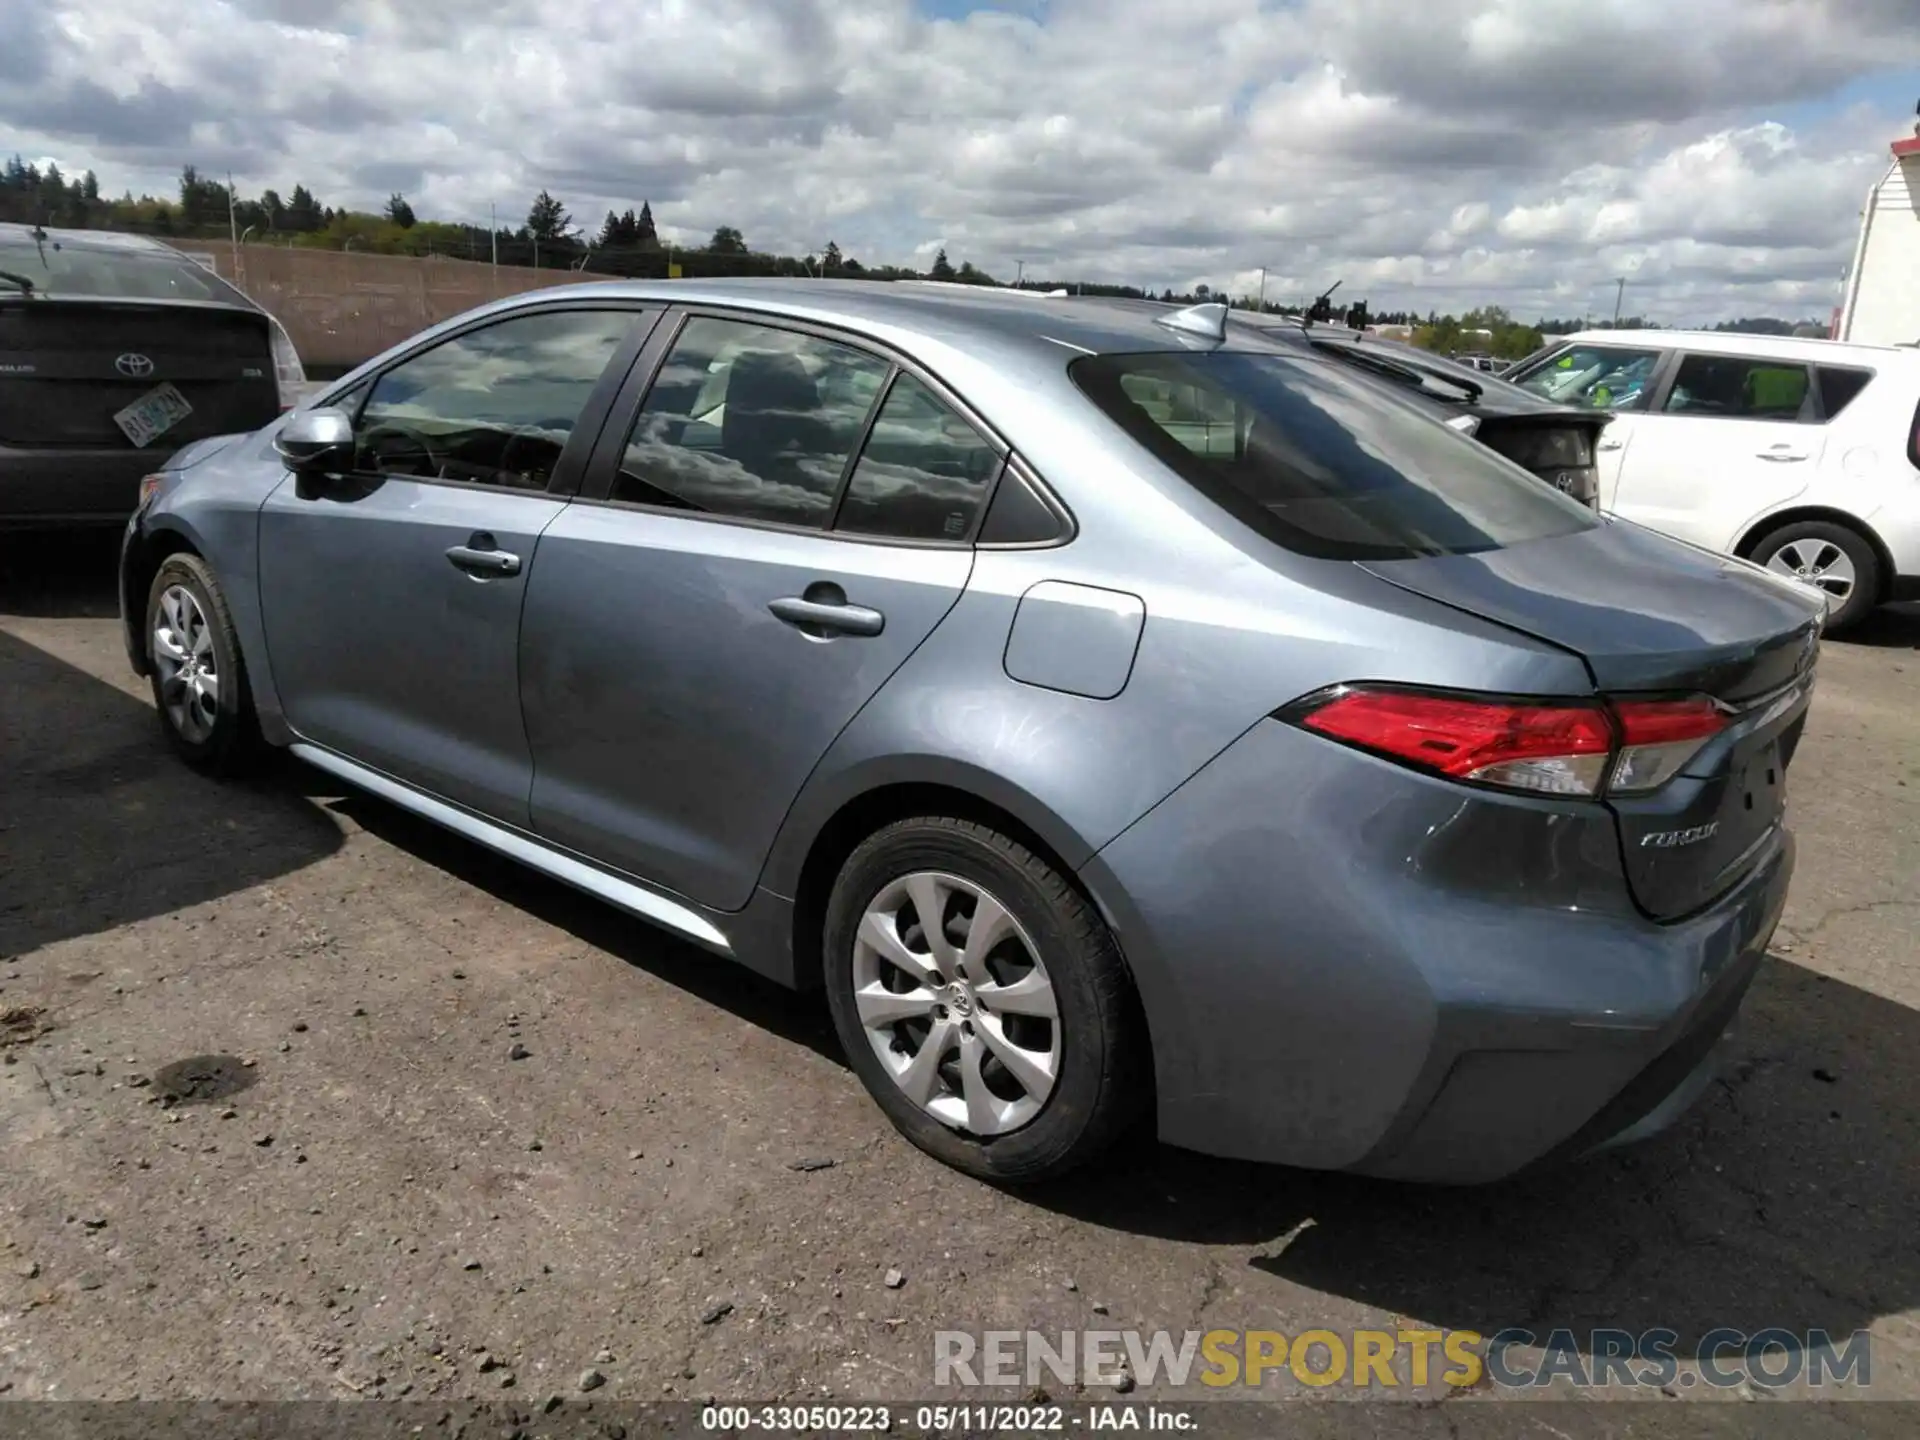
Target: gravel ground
{"type": "Point", "coordinates": [264, 1136]}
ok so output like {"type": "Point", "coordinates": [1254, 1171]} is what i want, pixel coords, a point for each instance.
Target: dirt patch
{"type": "Point", "coordinates": [202, 1078]}
{"type": "Point", "coordinates": [22, 1023]}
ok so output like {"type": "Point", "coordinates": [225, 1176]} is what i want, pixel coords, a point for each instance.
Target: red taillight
{"type": "Point", "coordinates": [1552, 749]}
{"type": "Point", "coordinates": [1658, 737]}
{"type": "Point", "coordinates": [1623, 747]}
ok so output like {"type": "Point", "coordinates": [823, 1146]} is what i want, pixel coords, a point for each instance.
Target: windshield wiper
{"type": "Point", "coordinates": [26, 285]}
{"type": "Point", "coordinates": [1382, 365]}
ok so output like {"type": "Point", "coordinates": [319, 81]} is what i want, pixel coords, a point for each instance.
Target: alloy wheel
{"type": "Point", "coordinates": [956, 1002]}
{"type": "Point", "coordinates": [1816, 562]}
{"type": "Point", "coordinates": [189, 670]}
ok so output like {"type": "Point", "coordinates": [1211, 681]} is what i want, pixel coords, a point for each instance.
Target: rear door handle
{"type": "Point", "coordinates": [1781, 454]}
{"type": "Point", "coordinates": [816, 617]}
{"type": "Point", "coordinates": [483, 562]}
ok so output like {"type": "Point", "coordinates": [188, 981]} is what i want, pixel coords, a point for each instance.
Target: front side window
{"type": "Point", "coordinates": [924, 472]}
{"type": "Point", "coordinates": [750, 422]}
{"type": "Point", "coordinates": [494, 406]}
{"type": "Point", "coordinates": [1741, 389]}
{"type": "Point", "coordinates": [1316, 459]}
{"type": "Point", "coordinates": [1604, 377]}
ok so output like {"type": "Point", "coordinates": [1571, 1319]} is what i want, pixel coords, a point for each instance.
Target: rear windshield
{"type": "Point", "coordinates": [57, 267]}
{"type": "Point", "coordinates": [1317, 460]}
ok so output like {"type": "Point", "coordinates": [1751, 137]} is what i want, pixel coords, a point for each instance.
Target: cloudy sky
{"type": "Point", "coordinates": [1433, 153]}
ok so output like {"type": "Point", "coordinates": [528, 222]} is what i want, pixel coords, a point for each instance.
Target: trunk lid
{"type": "Point", "coordinates": [62, 376]}
{"type": "Point", "coordinates": [1653, 617]}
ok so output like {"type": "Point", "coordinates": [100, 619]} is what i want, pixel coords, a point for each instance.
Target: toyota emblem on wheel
{"type": "Point", "coordinates": [134, 366]}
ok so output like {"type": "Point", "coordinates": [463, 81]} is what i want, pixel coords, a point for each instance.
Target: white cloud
{"type": "Point", "coordinates": [1433, 155]}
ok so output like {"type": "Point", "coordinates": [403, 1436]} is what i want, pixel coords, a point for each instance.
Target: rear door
{"type": "Point", "coordinates": [1730, 438]}
{"type": "Point", "coordinates": [392, 596]}
{"type": "Point", "coordinates": [762, 542]}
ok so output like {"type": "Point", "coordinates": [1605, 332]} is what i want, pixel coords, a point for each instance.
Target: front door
{"type": "Point", "coordinates": [1733, 437]}
{"type": "Point", "coordinates": [392, 595]}
{"type": "Point", "coordinates": [786, 521]}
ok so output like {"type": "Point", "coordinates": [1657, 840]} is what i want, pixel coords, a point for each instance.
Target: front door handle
{"type": "Point", "coordinates": [1781, 454]}
{"type": "Point", "coordinates": [1612, 445]}
{"type": "Point", "coordinates": [483, 562]}
{"type": "Point", "coordinates": [820, 618]}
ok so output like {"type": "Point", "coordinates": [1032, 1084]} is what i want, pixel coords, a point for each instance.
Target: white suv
{"type": "Point", "coordinates": [1803, 455]}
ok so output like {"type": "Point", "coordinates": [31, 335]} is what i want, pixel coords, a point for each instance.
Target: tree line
{"type": "Point", "coordinates": [628, 244]}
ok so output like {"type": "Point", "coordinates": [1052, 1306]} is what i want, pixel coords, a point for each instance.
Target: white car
{"type": "Point", "coordinates": [1802, 455]}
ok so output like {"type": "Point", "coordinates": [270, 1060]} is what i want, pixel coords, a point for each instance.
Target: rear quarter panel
{"type": "Point", "coordinates": [1234, 629]}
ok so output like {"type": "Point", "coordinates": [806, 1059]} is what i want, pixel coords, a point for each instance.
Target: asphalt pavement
{"type": "Point", "coordinates": [262, 1134]}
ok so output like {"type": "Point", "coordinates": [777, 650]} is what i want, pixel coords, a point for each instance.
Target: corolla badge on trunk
{"type": "Point", "coordinates": [1672, 839]}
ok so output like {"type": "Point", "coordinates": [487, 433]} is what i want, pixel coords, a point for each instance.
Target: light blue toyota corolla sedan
{"type": "Point", "coordinates": [1123, 715]}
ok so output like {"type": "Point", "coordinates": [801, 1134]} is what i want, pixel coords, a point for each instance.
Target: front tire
{"type": "Point", "coordinates": [1835, 558]}
{"type": "Point", "coordinates": [198, 678]}
{"type": "Point", "coordinates": [1005, 1038]}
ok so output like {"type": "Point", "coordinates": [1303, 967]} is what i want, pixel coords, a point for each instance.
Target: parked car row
{"type": "Point", "coordinates": [1556, 442]}
{"type": "Point", "coordinates": [114, 351]}
{"type": "Point", "coordinates": [1120, 711]}
{"type": "Point", "coordinates": [1801, 455]}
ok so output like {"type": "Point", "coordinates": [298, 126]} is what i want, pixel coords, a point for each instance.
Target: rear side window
{"type": "Point", "coordinates": [923, 474]}
{"type": "Point", "coordinates": [1740, 388]}
{"type": "Point", "coordinates": [750, 422]}
{"type": "Point", "coordinates": [1317, 460]}
{"type": "Point", "coordinates": [1838, 387]}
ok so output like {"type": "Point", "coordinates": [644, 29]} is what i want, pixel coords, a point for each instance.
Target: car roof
{"type": "Point", "coordinates": [102, 240]}
{"type": "Point", "coordinates": [992, 317]}
{"type": "Point", "coordinates": [1728, 342]}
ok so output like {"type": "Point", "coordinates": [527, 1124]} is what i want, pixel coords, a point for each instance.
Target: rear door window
{"type": "Point", "coordinates": [750, 422]}
{"type": "Point", "coordinates": [923, 474]}
{"type": "Point", "coordinates": [1742, 388]}
{"type": "Point", "coordinates": [1314, 458]}
{"type": "Point", "coordinates": [1604, 377]}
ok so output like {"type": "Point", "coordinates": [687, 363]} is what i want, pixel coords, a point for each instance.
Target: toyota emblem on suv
{"type": "Point", "coordinates": [134, 366]}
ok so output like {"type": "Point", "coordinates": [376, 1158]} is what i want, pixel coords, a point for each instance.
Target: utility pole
{"type": "Point", "coordinates": [1020, 273]}
{"type": "Point", "coordinates": [233, 225]}
{"type": "Point", "coordinates": [493, 234]}
{"type": "Point", "coordinates": [1619, 295]}
{"type": "Point", "coordinates": [1261, 308]}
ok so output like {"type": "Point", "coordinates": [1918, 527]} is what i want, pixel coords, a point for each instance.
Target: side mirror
{"type": "Point", "coordinates": [316, 442]}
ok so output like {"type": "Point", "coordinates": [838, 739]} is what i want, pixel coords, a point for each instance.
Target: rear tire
{"type": "Point", "coordinates": [1012, 1094]}
{"type": "Point", "coordinates": [1837, 558]}
{"type": "Point", "coordinates": [198, 678]}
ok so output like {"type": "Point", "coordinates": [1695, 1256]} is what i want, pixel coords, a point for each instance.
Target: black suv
{"type": "Point", "coordinates": [116, 350]}
{"type": "Point", "coordinates": [1555, 442]}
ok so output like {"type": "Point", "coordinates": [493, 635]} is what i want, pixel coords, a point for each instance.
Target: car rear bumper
{"type": "Point", "coordinates": [72, 486]}
{"type": "Point", "coordinates": [1349, 966]}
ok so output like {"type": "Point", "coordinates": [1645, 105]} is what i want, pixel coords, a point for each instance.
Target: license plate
{"type": "Point", "coordinates": [152, 415]}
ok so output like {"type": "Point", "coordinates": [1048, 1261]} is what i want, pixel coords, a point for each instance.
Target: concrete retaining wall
{"type": "Point", "coordinates": [343, 307]}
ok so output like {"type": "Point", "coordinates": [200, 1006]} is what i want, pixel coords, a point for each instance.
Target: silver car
{"type": "Point", "coordinates": [1124, 717]}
